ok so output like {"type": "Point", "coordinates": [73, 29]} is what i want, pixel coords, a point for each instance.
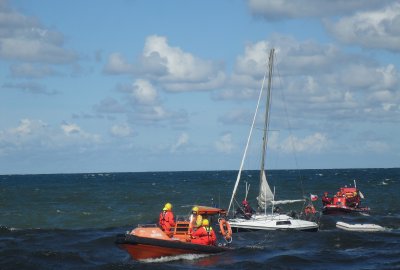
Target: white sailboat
{"type": "Point", "coordinates": [270, 220]}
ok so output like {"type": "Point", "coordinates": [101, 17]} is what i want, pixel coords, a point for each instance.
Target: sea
{"type": "Point", "coordinates": [70, 221]}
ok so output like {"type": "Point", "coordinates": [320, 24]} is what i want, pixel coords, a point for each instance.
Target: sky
{"type": "Point", "coordinates": [153, 85]}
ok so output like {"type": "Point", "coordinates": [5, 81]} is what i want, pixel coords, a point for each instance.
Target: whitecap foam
{"type": "Point", "coordinates": [258, 247]}
{"type": "Point", "coordinates": [190, 257]}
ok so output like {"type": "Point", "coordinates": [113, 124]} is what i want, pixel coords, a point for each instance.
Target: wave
{"type": "Point", "coordinates": [189, 257]}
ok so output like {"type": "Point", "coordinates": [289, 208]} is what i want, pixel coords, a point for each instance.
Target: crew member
{"type": "Point", "coordinates": [325, 199]}
{"type": "Point", "coordinates": [166, 219]}
{"type": "Point", "coordinates": [205, 235]}
{"type": "Point", "coordinates": [195, 219]}
{"type": "Point", "coordinates": [309, 209]}
{"type": "Point", "coordinates": [248, 211]}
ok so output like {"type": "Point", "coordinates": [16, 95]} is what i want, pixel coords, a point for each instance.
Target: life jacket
{"type": "Point", "coordinates": [162, 215]}
{"type": "Point", "coordinates": [210, 234]}
{"type": "Point", "coordinates": [162, 218]}
{"type": "Point", "coordinates": [166, 220]}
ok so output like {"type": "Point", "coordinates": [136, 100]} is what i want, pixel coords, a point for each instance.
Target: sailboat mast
{"type": "Point", "coordinates": [267, 111]}
{"type": "Point", "coordinates": [247, 144]}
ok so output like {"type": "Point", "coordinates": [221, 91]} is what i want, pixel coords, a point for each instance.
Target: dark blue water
{"type": "Point", "coordinates": [69, 221]}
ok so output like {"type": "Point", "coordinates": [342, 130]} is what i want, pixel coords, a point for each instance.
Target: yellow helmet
{"type": "Point", "coordinates": [205, 222]}
{"type": "Point", "coordinates": [168, 206]}
{"type": "Point", "coordinates": [195, 209]}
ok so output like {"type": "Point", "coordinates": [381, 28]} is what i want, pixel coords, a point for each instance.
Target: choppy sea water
{"type": "Point", "coordinates": [70, 221]}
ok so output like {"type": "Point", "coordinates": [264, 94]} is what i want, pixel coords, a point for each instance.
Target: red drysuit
{"type": "Point", "coordinates": [204, 236]}
{"type": "Point", "coordinates": [166, 220]}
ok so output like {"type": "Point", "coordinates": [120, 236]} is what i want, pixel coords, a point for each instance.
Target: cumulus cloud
{"type": "Point", "coordinates": [24, 39]}
{"type": "Point", "coordinates": [121, 130]}
{"type": "Point", "coordinates": [235, 116]}
{"type": "Point", "coordinates": [117, 65]}
{"type": "Point", "coordinates": [370, 29]}
{"type": "Point", "coordinates": [27, 127]}
{"type": "Point", "coordinates": [141, 104]}
{"type": "Point", "coordinates": [180, 65]}
{"type": "Point", "coordinates": [73, 133]}
{"type": "Point", "coordinates": [293, 58]}
{"type": "Point", "coordinates": [287, 9]}
{"type": "Point", "coordinates": [144, 93]}
{"type": "Point", "coordinates": [378, 147]}
{"type": "Point", "coordinates": [171, 67]}
{"type": "Point", "coordinates": [224, 144]}
{"type": "Point", "coordinates": [30, 70]}
{"type": "Point", "coordinates": [36, 135]}
{"type": "Point", "coordinates": [30, 87]}
{"type": "Point", "coordinates": [70, 128]}
{"type": "Point", "coordinates": [182, 141]}
{"type": "Point", "coordinates": [110, 106]}
{"type": "Point", "coordinates": [314, 143]}
{"type": "Point", "coordinates": [315, 81]}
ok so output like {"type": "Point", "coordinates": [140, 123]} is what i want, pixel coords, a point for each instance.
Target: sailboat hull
{"type": "Point", "coordinates": [272, 223]}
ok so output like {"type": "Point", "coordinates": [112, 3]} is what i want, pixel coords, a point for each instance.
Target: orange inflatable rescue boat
{"type": "Point", "coordinates": [149, 241]}
{"type": "Point", "coordinates": [346, 200]}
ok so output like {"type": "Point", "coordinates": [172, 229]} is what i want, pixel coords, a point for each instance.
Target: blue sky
{"type": "Point", "coordinates": [120, 86]}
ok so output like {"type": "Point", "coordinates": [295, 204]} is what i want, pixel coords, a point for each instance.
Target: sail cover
{"type": "Point", "coordinates": [265, 197]}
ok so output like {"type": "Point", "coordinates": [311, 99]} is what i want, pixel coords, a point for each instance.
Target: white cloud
{"type": "Point", "coordinates": [183, 140]}
{"type": "Point", "coordinates": [28, 133]}
{"type": "Point", "coordinates": [25, 49]}
{"type": "Point", "coordinates": [27, 127]}
{"type": "Point", "coordinates": [180, 65]}
{"type": "Point", "coordinates": [294, 58]}
{"type": "Point", "coordinates": [110, 106]}
{"type": "Point", "coordinates": [140, 104]}
{"type": "Point", "coordinates": [35, 135]}
{"type": "Point", "coordinates": [172, 68]}
{"type": "Point", "coordinates": [23, 38]}
{"type": "Point", "coordinates": [178, 70]}
{"type": "Point", "coordinates": [255, 59]}
{"type": "Point", "coordinates": [224, 144]}
{"type": "Point", "coordinates": [70, 128]}
{"type": "Point", "coordinates": [75, 135]}
{"type": "Point", "coordinates": [376, 147]}
{"type": "Point", "coordinates": [30, 87]}
{"type": "Point", "coordinates": [117, 65]}
{"type": "Point", "coordinates": [121, 130]}
{"type": "Point", "coordinates": [144, 93]}
{"type": "Point", "coordinates": [29, 70]}
{"type": "Point", "coordinates": [370, 29]}
{"type": "Point", "coordinates": [153, 113]}
{"type": "Point", "coordinates": [287, 9]}
{"type": "Point", "coordinates": [311, 144]}
{"type": "Point", "coordinates": [314, 84]}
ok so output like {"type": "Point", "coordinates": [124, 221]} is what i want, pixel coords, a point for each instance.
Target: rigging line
{"type": "Point", "coordinates": [248, 141]}
{"type": "Point", "coordinates": [290, 129]}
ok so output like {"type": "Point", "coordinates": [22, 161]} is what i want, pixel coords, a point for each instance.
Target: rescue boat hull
{"type": "Point", "coordinates": [337, 209]}
{"type": "Point", "coordinates": [141, 248]}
